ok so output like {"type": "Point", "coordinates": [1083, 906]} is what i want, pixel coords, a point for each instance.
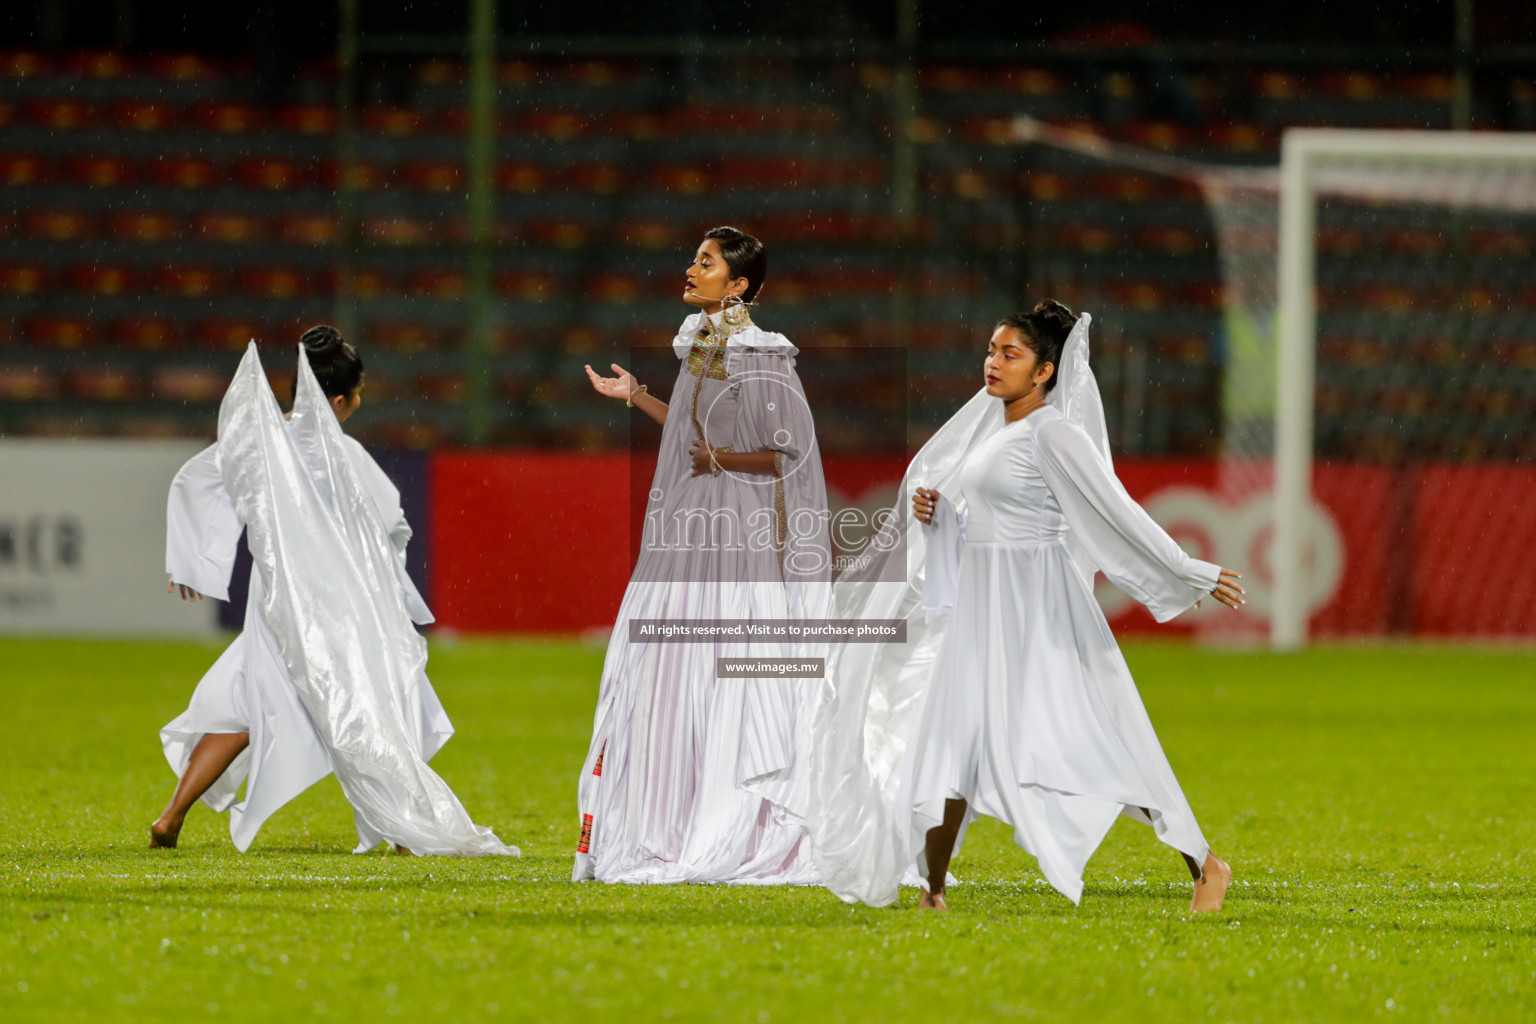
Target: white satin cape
{"type": "Point", "coordinates": [329, 673]}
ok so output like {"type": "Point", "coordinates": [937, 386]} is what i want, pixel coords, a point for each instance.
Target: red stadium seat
{"type": "Point", "coordinates": [1046, 186]}
{"type": "Point", "coordinates": [60, 115]}
{"type": "Point", "coordinates": [442, 387]}
{"type": "Point", "coordinates": [1086, 237]}
{"type": "Point", "coordinates": [434, 175]}
{"type": "Point", "coordinates": [612, 288]}
{"type": "Point", "coordinates": [144, 227]}
{"type": "Point", "coordinates": [103, 384]}
{"type": "Point", "coordinates": [604, 179]}
{"type": "Point", "coordinates": [185, 172]}
{"type": "Point", "coordinates": [275, 282]}
{"type": "Point", "coordinates": [530, 286]}
{"type": "Point", "coordinates": [1240, 137]}
{"type": "Point", "coordinates": [1279, 85]}
{"type": "Point", "coordinates": [227, 118]}
{"type": "Point", "coordinates": [438, 284]}
{"type": "Point", "coordinates": [308, 229]}
{"type": "Point", "coordinates": [98, 65]}
{"type": "Point", "coordinates": [27, 383]}
{"type": "Point", "coordinates": [563, 234]}
{"type": "Point", "coordinates": [638, 126]}
{"type": "Point", "coordinates": [1031, 81]}
{"type": "Point", "coordinates": [227, 334]}
{"type": "Point", "coordinates": [58, 332]}
{"type": "Point", "coordinates": [22, 169]}
{"type": "Point", "coordinates": [1187, 349]}
{"type": "Point", "coordinates": [556, 125]}
{"type": "Point", "coordinates": [1515, 244]}
{"type": "Point", "coordinates": [683, 179]}
{"type": "Point", "coordinates": [520, 177]}
{"type": "Point", "coordinates": [1352, 85]}
{"type": "Point", "coordinates": [597, 74]}
{"type": "Point", "coordinates": [143, 117]}
{"type": "Point", "coordinates": [948, 78]}
{"type": "Point", "coordinates": [189, 282]}
{"type": "Point", "coordinates": [1156, 135]}
{"type": "Point", "coordinates": [1124, 187]}
{"type": "Point", "coordinates": [308, 119]}
{"type": "Point", "coordinates": [24, 65]}
{"type": "Point", "coordinates": [361, 175]}
{"type": "Point", "coordinates": [407, 337]}
{"type": "Point", "coordinates": [1172, 241]}
{"type": "Point", "coordinates": [57, 225]}
{"type": "Point", "coordinates": [1207, 294]}
{"type": "Point", "coordinates": [1415, 241]}
{"type": "Point", "coordinates": [987, 131]}
{"type": "Point", "coordinates": [1143, 296]}
{"type": "Point", "coordinates": [97, 279]}
{"type": "Point", "coordinates": [397, 231]}
{"type": "Point", "coordinates": [650, 234]}
{"type": "Point", "coordinates": [100, 171]}
{"type": "Point", "coordinates": [151, 335]}
{"type": "Point", "coordinates": [1434, 87]}
{"type": "Point", "coordinates": [270, 174]}
{"type": "Point", "coordinates": [367, 283]}
{"type": "Point", "coordinates": [440, 71]}
{"type": "Point", "coordinates": [22, 280]}
{"type": "Point", "coordinates": [395, 121]}
{"type": "Point", "coordinates": [188, 384]}
{"type": "Point", "coordinates": [761, 172]}
{"type": "Point", "coordinates": [233, 228]}
{"type": "Point", "coordinates": [184, 67]}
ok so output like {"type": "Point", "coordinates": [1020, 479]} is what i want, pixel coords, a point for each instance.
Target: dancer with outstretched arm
{"type": "Point", "coordinates": [329, 673]}
{"type": "Point", "coordinates": [690, 776]}
{"type": "Point", "coordinates": [1012, 698]}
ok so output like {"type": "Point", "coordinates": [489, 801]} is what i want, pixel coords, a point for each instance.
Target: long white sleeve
{"type": "Point", "coordinates": [202, 531]}
{"type": "Point", "coordinates": [1124, 542]}
{"type": "Point", "coordinates": [941, 563]}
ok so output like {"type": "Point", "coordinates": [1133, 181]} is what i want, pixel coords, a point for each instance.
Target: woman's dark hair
{"type": "Point", "coordinates": [338, 368]}
{"type": "Point", "coordinates": [744, 255]}
{"type": "Point", "coordinates": [1044, 329]}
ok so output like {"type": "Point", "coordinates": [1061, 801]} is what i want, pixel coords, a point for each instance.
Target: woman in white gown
{"type": "Point", "coordinates": [690, 777]}
{"type": "Point", "coordinates": [329, 672]}
{"type": "Point", "coordinates": [1012, 698]}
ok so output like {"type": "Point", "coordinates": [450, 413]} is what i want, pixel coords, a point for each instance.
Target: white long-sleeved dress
{"type": "Point", "coordinates": [1032, 715]}
{"type": "Point", "coordinates": [384, 734]}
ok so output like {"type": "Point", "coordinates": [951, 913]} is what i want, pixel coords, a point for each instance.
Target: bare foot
{"type": "Point", "coordinates": [163, 835]}
{"type": "Point", "coordinates": [931, 901]}
{"type": "Point", "coordinates": [402, 849]}
{"type": "Point", "coordinates": [1211, 890]}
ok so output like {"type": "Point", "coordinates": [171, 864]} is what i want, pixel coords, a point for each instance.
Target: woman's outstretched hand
{"type": "Point", "coordinates": [925, 502]}
{"type": "Point", "coordinates": [1228, 591]}
{"type": "Point", "coordinates": [187, 593]}
{"type": "Point", "coordinates": [623, 386]}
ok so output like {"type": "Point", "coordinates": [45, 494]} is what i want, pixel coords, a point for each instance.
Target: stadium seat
{"type": "Point", "coordinates": [441, 387]}
{"type": "Point", "coordinates": [100, 65]}
{"type": "Point", "coordinates": [603, 179]}
{"type": "Point", "coordinates": [103, 384]}
{"type": "Point", "coordinates": [1046, 186]}
{"type": "Point", "coordinates": [98, 279]}
{"type": "Point", "coordinates": [58, 332]}
{"type": "Point", "coordinates": [60, 115]}
{"type": "Point", "coordinates": [308, 119]}
{"type": "Point", "coordinates": [143, 117]}
{"type": "Point", "coordinates": [231, 228]}
{"type": "Point", "coordinates": [638, 125]}
{"type": "Point", "coordinates": [1142, 296]}
{"type": "Point", "coordinates": [22, 169]}
{"type": "Point", "coordinates": [1085, 237]}
{"type": "Point", "coordinates": [1029, 81]}
{"type": "Point", "coordinates": [528, 285]}
{"type": "Point", "coordinates": [185, 172]}
{"type": "Point", "coordinates": [270, 174]}
{"type": "Point", "coordinates": [232, 335]}
{"type": "Point", "coordinates": [555, 125]}
{"type": "Point", "coordinates": [1171, 241]}
{"type": "Point", "coordinates": [184, 67]}
{"type": "Point", "coordinates": [24, 65]}
{"type": "Point", "coordinates": [434, 175]}
{"type": "Point", "coordinates": [438, 284]}
{"type": "Point", "coordinates": [394, 336]}
{"type": "Point", "coordinates": [22, 279]}
{"type": "Point", "coordinates": [150, 335]}
{"type": "Point", "coordinates": [27, 383]}
{"type": "Point", "coordinates": [100, 171]}
{"type": "Point", "coordinates": [650, 234]}
{"type": "Point", "coordinates": [57, 225]}
{"type": "Point", "coordinates": [397, 231]}
{"type": "Point", "coordinates": [613, 288]}
{"type": "Point", "coordinates": [308, 229]}
{"type": "Point", "coordinates": [188, 384]}
{"type": "Point", "coordinates": [227, 118]}
{"type": "Point", "coordinates": [274, 282]}
{"type": "Point", "coordinates": [144, 227]}
{"type": "Point", "coordinates": [367, 283]}
{"type": "Point", "coordinates": [393, 121]}
{"type": "Point", "coordinates": [560, 233]}
{"type": "Point", "coordinates": [681, 179]}
{"type": "Point", "coordinates": [520, 177]}
{"type": "Point", "coordinates": [189, 282]}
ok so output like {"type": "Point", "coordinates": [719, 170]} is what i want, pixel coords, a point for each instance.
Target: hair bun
{"type": "Point", "coordinates": [1054, 312]}
{"type": "Point", "coordinates": [321, 338]}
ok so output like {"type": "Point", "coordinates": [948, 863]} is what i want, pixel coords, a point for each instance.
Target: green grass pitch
{"type": "Point", "coordinates": [1375, 804]}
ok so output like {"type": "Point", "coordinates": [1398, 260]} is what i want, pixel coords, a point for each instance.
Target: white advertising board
{"type": "Point", "coordinates": [82, 538]}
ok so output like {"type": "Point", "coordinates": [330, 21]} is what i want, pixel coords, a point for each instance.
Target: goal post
{"type": "Point", "coordinates": [1391, 165]}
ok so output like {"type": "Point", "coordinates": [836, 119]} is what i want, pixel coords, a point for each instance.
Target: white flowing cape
{"type": "Point", "coordinates": [332, 602]}
{"type": "Point", "coordinates": [867, 708]}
